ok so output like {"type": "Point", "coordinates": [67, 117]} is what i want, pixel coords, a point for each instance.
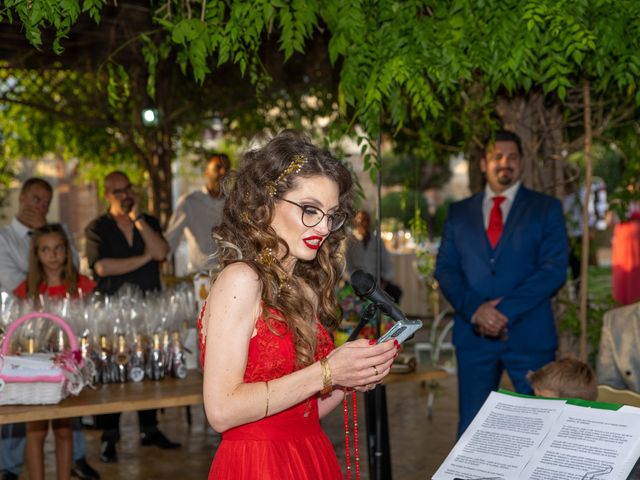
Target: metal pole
{"type": "Point", "coordinates": [376, 401]}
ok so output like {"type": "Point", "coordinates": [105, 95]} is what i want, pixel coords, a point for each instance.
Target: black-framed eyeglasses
{"type": "Point", "coordinates": [120, 191]}
{"type": "Point", "coordinates": [312, 216]}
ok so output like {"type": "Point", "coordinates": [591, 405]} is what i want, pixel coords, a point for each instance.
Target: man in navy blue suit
{"type": "Point", "coordinates": [503, 256]}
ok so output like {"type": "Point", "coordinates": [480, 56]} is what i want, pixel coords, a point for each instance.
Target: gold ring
{"type": "Point", "coordinates": [375, 370]}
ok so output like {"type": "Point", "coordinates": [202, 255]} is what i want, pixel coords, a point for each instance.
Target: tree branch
{"type": "Point", "coordinates": [52, 111]}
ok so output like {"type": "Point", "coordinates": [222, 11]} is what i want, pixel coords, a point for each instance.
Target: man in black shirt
{"type": "Point", "coordinates": [124, 246]}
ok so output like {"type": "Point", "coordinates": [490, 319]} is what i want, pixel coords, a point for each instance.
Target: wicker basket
{"type": "Point", "coordinates": [47, 385]}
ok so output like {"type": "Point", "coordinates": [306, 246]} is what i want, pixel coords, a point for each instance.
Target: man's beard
{"type": "Point", "coordinates": [505, 180]}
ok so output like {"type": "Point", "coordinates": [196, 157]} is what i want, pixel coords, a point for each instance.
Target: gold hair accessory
{"type": "Point", "coordinates": [245, 217]}
{"type": "Point", "coordinates": [294, 167]}
{"type": "Point", "coordinates": [266, 257]}
{"type": "Point", "coordinates": [284, 285]}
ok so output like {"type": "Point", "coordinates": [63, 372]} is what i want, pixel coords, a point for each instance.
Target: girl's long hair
{"type": "Point", "coordinates": [246, 225]}
{"type": "Point", "coordinates": [36, 275]}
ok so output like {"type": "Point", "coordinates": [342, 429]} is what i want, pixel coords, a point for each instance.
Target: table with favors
{"type": "Point", "coordinates": [98, 354]}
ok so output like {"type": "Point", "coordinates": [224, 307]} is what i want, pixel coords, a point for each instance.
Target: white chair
{"type": "Point", "coordinates": [609, 394]}
{"type": "Point", "coordinates": [436, 344]}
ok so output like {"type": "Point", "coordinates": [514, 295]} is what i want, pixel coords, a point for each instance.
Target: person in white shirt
{"type": "Point", "coordinates": [197, 213]}
{"type": "Point", "coordinates": [33, 206]}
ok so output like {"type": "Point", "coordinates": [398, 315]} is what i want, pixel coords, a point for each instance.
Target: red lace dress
{"type": "Point", "coordinates": [289, 444]}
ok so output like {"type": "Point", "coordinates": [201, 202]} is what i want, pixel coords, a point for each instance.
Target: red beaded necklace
{"type": "Point", "coordinates": [347, 446]}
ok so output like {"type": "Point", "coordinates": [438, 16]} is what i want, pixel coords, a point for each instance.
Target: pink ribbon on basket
{"type": "Point", "coordinates": [69, 361]}
{"type": "Point", "coordinates": [78, 372]}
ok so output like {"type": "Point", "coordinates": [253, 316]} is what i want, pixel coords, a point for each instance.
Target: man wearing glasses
{"type": "Point", "coordinates": [125, 246]}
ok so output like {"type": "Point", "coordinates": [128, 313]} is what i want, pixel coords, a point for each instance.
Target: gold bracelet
{"type": "Point", "coordinates": [327, 382]}
{"type": "Point", "coordinates": [266, 410]}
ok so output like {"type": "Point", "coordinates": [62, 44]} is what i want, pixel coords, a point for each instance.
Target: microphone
{"type": "Point", "coordinates": [365, 287]}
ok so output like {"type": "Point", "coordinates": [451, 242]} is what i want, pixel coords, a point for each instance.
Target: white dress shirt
{"type": "Point", "coordinates": [15, 240]}
{"type": "Point", "coordinates": [505, 206]}
{"type": "Point", "coordinates": [196, 214]}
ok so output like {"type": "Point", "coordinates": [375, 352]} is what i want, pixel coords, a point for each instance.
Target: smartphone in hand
{"type": "Point", "coordinates": [401, 330]}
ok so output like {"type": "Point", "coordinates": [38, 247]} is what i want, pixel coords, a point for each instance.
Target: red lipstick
{"type": "Point", "coordinates": [313, 242]}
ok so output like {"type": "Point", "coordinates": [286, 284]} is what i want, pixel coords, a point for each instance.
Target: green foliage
{"type": "Point", "coordinates": [403, 207]}
{"type": "Point", "coordinates": [627, 188]}
{"type": "Point", "coordinates": [426, 72]}
{"type": "Point", "coordinates": [607, 163]}
{"type": "Point", "coordinates": [118, 85]}
{"type": "Point", "coordinates": [599, 302]}
{"type": "Point", "coordinates": [6, 171]}
{"type": "Point", "coordinates": [401, 63]}
{"type": "Point", "coordinates": [397, 58]}
{"type": "Point", "coordinates": [33, 132]}
{"type": "Point", "coordinates": [234, 32]}
{"type": "Point", "coordinates": [396, 65]}
{"type": "Point", "coordinates": [36, 15]}
{"type": "Point", "coordinates": [419, 173]}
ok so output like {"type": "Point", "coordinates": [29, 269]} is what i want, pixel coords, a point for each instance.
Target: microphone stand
{"type": "Point", "coordinates": [376, 401]}
{"type": "Point", "coordinates": [368, 315]}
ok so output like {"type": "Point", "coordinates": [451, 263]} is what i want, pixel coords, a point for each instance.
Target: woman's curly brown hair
{"type": "Point", "coordinates": [246, 224]}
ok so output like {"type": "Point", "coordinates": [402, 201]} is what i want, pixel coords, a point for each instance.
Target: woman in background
{"type": "Point", "coordinates": [625, 254]}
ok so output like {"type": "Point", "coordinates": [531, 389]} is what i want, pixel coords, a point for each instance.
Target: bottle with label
{"type": "Point", "coordinates": [178, 364]}
{"type": "Point", "coordinates": [167, 351]}
{"type": "Point", "coordinates": [156, 361]}
{"type": "Point", "coordinates": [121, 360]}
{"type": "Point", "coordinates": [103, 364]}
{"type": "Point", "coordinates": [136, 372]}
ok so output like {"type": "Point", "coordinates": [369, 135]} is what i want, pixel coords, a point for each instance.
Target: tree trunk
{"type": "Point", "coordinates": [476, 178]}
{"type": "Point", "coordinates": [161, 177]}
{"type": "Point", "coordinates": [584, 272]}
{"type": "Point", "coordinates": [540, 126]}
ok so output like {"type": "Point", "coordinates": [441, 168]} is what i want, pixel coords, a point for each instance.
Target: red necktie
{"type": "Point", "coordinates": [494, 230]}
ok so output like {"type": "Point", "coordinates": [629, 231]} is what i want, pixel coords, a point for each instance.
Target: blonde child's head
{"type": "Point", "coordinates": [566, 378]}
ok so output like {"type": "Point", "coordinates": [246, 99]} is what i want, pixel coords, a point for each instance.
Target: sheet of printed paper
{"type": "Point", "coordinates": [629, 409]}
{"type": "Point", "coordinates": [586, 444]}
{"type": "Point", "coordinates": [501, 439]}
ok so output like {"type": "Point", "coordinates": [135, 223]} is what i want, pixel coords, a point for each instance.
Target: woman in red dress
{"type": "Point", "coordinates": [51, 273]}
{"type": "Point", "coordinates": [625, 258]}
{"type": "Point", "coordinates": [270, 371]}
